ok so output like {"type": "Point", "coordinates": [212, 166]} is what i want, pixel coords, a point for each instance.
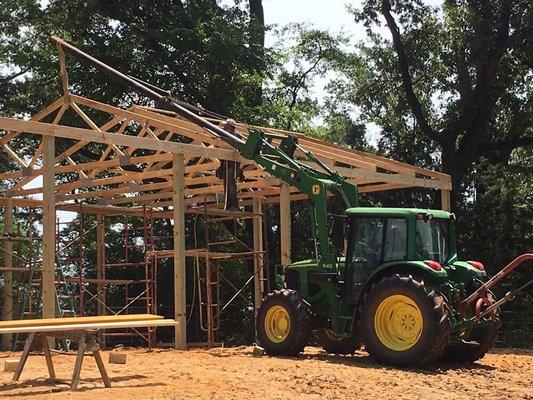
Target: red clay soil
{"type": "Point", "coordinates": [234, 374]}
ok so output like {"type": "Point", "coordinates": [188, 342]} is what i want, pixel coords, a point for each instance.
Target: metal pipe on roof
{"type": "Point", "coordinates": [148, 91]}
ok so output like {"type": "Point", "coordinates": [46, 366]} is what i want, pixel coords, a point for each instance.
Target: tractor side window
{"type": "Point", "coordinates": [395, 240]}
{"type": "Point", "coordinates": [368, 240]}
{"type": "Point", "coordinates": [432, 240]}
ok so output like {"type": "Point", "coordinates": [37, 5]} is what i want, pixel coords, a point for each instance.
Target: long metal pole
{"type": "Point", "coordinates": [144, 90]}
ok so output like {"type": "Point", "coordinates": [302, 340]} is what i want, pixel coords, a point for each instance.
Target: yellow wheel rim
{"type": "Point", "coordinates": [277, 324]}
{"type": "Point", "coordinates": [398, 322]}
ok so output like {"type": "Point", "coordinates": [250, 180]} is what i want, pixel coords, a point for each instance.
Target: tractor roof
{"type": "Point", "coordinates": [395, 212]}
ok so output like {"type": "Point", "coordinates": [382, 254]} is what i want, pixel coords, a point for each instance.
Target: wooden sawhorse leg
{"type": "Point", "coordinates": [24, 356]}
{"type": "Point", "coordinates": [79, 360]}
{"type": "Point", "coordinates": [87, 341]}
{"type": "Point", "coordinates": [48, 356]}
{"type": "Point", "coordinates": [95, 348]}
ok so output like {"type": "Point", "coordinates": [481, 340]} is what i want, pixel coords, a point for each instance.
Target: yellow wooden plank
{"type": "Point", "coordinates": [91, 325]}
{"type": "Point", "coordinates": [77, 320]}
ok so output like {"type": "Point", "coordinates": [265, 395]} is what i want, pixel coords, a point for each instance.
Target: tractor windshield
{"type": "Point", "coordinates": [433, 239]}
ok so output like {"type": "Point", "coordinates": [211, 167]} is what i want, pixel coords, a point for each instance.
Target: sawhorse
{"type": "Point", "coordinates": [86, 340]}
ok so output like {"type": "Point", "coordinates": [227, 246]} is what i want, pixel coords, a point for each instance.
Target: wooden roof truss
{"type": "Point", "coordinates": [118, 158]}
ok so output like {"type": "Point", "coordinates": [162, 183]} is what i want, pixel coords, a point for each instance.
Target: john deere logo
{"type": "Point", "coordinates": [316, 189]}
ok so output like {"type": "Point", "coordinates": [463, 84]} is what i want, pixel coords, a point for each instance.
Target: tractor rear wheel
{"type": "Point", "coordinates": [334, 344]}
{"type": "Point", "coordinates": [473, 346]}
{"type": "Point", "coordinates": [283, 323]}
{"type": "Point", "coordinates": [403, 322]}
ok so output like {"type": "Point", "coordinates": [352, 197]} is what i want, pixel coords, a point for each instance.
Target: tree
{"type": "Point", "coordinates": [198, 50]}
{"type": "Point", "coordinates": [453, 90]}
{"type": "Point", "coordinates": [301, 56]}
{"type": "Point", "coordinates": [257, 44]}
{"type": "Point", "coordinates": [457, 76]}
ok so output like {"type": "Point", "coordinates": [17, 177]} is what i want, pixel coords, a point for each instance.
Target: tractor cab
{"type": "Point", "coordinates": [380, 238]}
{"type": "Point", "coordinates": [379, 235]}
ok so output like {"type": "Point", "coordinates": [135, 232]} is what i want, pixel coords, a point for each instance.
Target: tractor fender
{"type": "Point", "coordinates": [415, 268]}
{"type": "Point", "coordinates": [464, 272]}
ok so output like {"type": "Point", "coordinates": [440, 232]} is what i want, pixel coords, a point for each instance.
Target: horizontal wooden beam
{"type": "Point", "coordinates": [116, 139]}
{"type": "Point", "coordinates": [381, 187]}
{"type": "Point", "coordinates": [129, 176]}
{"type": "Point", "coordinates": [76, 207]}
{"type": "Point", "coordinates": [64, 169]}
{"type": "Point", "coordinates": [402, 178]}
{"type": "Point", "coordinates": [78, 320]}
{"type": "Point", "coordinates": [86, 326]}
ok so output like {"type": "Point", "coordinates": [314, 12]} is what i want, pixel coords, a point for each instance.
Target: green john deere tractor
{"type": "Point", "coordinates": [399, 289]}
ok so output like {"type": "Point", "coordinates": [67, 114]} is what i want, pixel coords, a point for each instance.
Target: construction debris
{"type": "Point", "coordinates": [117, 358]}
{"type": "Point", "coordinates": [10, 365]}
{"type": "Point", "coordinates": [258, 351]}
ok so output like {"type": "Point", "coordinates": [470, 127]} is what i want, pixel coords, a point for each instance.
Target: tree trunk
{"type": "Point", "coordinates": [450, 166]}
{"type": "Point", "coordinates": [257, 46]}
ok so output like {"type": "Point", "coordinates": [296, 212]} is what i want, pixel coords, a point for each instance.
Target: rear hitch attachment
{"type": "Point", "coordinates": [485, 304]}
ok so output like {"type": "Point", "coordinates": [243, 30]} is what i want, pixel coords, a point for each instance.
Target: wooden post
{"type": "Point", "coordinates": [63, 72]}
{"type": "Point", "coordinates": [257, 207]}
{"type": "Point", "coordinates": [285, 223]}
{"type": "Point", "coordinates": [8, 275]}
{"type": "Point", "coordinates": [178, 168]}
{"type": "Point", "coordinates": [100, 272]}
{"type": "Point", "coordinates": [100, 261]}
{"type": "Point", "coordinates": [49, 234]}
{"type": "Point", "coordinates": [445, 200]}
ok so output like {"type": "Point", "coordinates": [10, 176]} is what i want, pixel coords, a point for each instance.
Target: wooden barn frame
{"type": "Point", "coordinates": [174, 171]}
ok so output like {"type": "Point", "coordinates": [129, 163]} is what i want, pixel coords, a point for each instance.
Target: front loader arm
{"type": "Point", "coordinates": [281, 163]}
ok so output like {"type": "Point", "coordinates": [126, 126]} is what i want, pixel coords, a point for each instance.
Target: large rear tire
{"type": "Point", "coordinates": [404, 323]}
{"type": "Point", "coordinates": [284, 323]}
{"type": "Point", "coordinates": [473, 346]}
{"type": "Point", "coordinates": [334, 344]}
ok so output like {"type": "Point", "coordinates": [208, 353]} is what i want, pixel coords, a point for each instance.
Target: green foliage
{"type": "Point", "coordinates": [456, 81]}
{"type": "Point", "coordinates": [302, 56]}
{"type": "Point", "coordinates": [505, 231]}
{"type": "Point", "coordinates": [198, 50]}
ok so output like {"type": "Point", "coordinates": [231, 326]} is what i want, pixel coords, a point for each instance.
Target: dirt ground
{"type": "Point", "coordinates": [233, 373]}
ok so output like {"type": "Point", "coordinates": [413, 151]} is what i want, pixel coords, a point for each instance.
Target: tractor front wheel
{"type": "Point", "coordinates": [404, 323]}
{"type": "Point", "coordinates": [283, 323]}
